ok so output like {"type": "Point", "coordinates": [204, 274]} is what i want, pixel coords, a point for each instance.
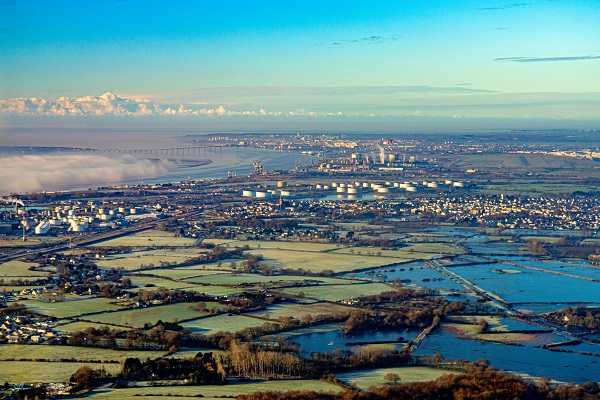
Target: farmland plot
{"type": "Point", "coordinates": [223, 322]}
{"type": "Point", "coordinates": [148, 239]}
{"type": "Point", "coordinates": [139, 316]}
{"type": "Point", "coordinates": [318, 262]}
{"type": "Point", "coordinates": [338, 292]}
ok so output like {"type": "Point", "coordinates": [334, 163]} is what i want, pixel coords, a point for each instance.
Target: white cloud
{"type": "Point", "coordinates": [46, 172]}
{"type": "Point", "coordinates": [109, 104]}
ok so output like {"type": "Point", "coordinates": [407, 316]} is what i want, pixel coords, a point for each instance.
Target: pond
{"type": "Point", "coordinates": [330, 337]}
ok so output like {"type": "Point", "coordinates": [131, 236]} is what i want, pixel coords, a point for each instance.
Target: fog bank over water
{"type": "Point", "coordinates": [81, 170]}
{"type": "Point", "coordinates": [31, 173]}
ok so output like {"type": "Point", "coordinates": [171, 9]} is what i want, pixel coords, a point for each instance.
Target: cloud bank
{"type": "Point", "coordinates": [47, 172]}
{"type": "Point", "coordinates": [167, 104]}
{"type": "Point", "coordinates": [107, 104]}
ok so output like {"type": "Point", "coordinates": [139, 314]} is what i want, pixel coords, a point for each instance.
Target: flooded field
{"type": "Point", "coordinates": [561, 366]}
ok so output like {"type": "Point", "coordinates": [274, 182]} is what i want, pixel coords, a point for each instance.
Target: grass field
{"type": "Point", "coordinates": [237, 279]}
{"type": "Point", "coordinates": [32, 371]}
{"type": "Point", "coordinates": [217, 391]}
{"type": "Point", "coordinates": [146, 258]}
{"type": "Point", "coordinates": [16, 269]}
{"type": "Point", "coordinates": [282, 245]}
{"type": "Point", "coordinates": [339, 292]}
{"type": "Point", "coordinates": [72, 306]}
{"type": "Point", "coordinates": [317, 262]}
{"type": "Point", "coordinates": [299, 310]}
{"type": "Point", "coordinates": [543, 239]}
{"type": "Point", "coordinates": [223, 322]}
{"type": "Point", "coordinates": [70, 327]}
{"type": "Point", "coordinates": [142, 282]}
{"type": "Point", "coordinates": [401, 255]}
{"type": "Point", "coordinates": [139, 316]}
{"type": "Point", "coordinates": [31, 241]}
{"type": "Point", "coordinates": [148, 239]}
{"type": "Point", "coordinates": [374, 377]}
{"type": "Point", "coordinates": [47, 352]}
{"type": "Point", "coordinates": [184, 272]}
{"type": "Point", "coordinates": [187, 352]}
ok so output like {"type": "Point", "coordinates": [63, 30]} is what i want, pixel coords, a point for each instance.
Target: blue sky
{"type": "Point", "coordinates": [485, 60]}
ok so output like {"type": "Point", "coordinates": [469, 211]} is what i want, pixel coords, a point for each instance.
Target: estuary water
{"type": "Point", "coordinates": [31, 160]}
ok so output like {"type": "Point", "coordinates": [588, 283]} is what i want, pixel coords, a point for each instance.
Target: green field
{"type": "Point", "coordinates": [543, 239]}
{"type": "Point", "coordinates": [19, 269]}
{"type": "Point", "coordinates": [339, 292]}
{"type": "Point", "coordinates": [299, 310]}
{"type": "Point", "coordinates": [217, 391]}
{"type": "Point", "coordinates": [374, 377]}
{"type": "Point", "coordinates": [142, 282]}
{"type": "Point", "coordinates": [69, 327]}
{"type": "Point", "coordinates": [33, 372]}
{"type": "Point", "coordinates": [223, 322]}
{"type": "Point", "coordinates": [145, 259]}
{"type": "Point", "coordinates": [72, 306]}
{"type": "Point", "coordinates": [421, 251]}
{"type": "Point", "coordinates": [139, 316]}
{"type": "Point", "coordinates": [317, 262]}
{"type": "Point", "coordinates": [282, 245]}
{"type": "Point", "coordinates": [148, 239]}
{"type": "Point", "coordinates": [52, 353]}
{"type": "Point", "coordinates": [238, 279]}
{"type": "Point", "coordinates": [184, 272]}
{"type": "Point", "coordinates": [187, 352]}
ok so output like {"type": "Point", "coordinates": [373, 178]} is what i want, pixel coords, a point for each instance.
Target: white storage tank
{"type": "Point", "coordinates": [326, 187]}
{"type": "Point", "coordinates": [262, 195]}
{"type": "Point", "coordinates": [334, 184]}
{"type": "Point", "coordinates": [79, 227]}
{"type": "Point", "coordinates": [42, 228]}
{"type": "Point", "coordinates": [353, 190]}
{"type": "Point", "coordinates": [365, 184]}
{"type": "Point", "coordinates": [133, 210]}
{"type": "Point", "coordinates": [122, 210]}
{"type": "Point", "coordinates": [383, 190]}
{"type": "Point", "coordinates": [459, 184]}
{"type": "Point", "coordinates": [286, 193]}
{"type": "Point", "coordinates": [342, 185]}
{"type": "Point", "coordinates": [341, 189]}
{"type": "Point", "coordinates": [396, 184]}
{"type": "Point", "coordinates": [319, 186]}
{"type": "Point", "coordinates": [248, 193]}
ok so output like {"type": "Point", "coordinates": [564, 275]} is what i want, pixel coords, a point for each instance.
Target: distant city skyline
{"type": "Point", "coordinates": [431, 64]}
